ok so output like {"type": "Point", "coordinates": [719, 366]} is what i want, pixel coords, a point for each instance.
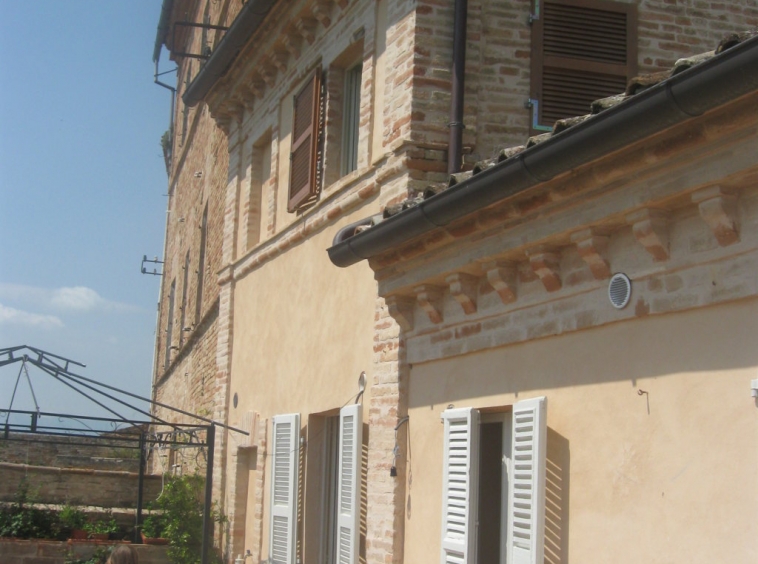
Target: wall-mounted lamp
{"type": "Point", "coordinates": [361, 386]}
{"type": "Point", "coordinates": [396, 450]}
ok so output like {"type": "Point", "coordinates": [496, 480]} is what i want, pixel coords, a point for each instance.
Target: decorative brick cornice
{"type": "Point", "coordinates": [463, 288]}
{"type": "Point", "coordinates": [502, 277]}
{"type": "Point", "coordinates": [429, 298]}
{"type": "Point", "coordinates": [650, 227]}
{"type": "Point", "coordinates": [546, 265]}
{"type": "Point", "coordinates": [718, 208]}
{"type": "Point", "coordinates": [592, 248]}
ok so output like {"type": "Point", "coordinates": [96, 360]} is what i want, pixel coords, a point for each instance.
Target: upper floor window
{"type": "Point", "coordinates": [582, 50]}
{"type": "Point", "coordinates": [304, 155]}
{"type": "Point", "coordinates": [351, 118]}
{"type": "Point", "coordinates": [170, 323]}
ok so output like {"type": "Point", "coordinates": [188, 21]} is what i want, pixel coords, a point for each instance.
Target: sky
{"type": "Point", "coordinates": [82, 192]}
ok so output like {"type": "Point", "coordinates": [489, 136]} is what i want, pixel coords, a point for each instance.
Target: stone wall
{"type": "Point", "coordinates": [102, 488]}
{"type": "Point", "coordinates": [13, 551]}
{"type": "Point", "coordinates": [65, 452]}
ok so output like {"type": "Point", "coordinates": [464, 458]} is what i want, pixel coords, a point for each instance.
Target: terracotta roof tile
{"type": "Point", "coordinates": [636, 85]}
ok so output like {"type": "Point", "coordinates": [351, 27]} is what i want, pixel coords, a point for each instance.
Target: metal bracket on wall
{"type": "Point", "coordinates": [153, 261]}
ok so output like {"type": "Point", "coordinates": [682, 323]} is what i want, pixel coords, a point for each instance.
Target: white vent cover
{"type": "Point", "coordinates": [619, 290]}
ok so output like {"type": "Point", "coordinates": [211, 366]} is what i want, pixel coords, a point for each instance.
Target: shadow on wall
{"type": "Point", "coordinates": [557, 498]}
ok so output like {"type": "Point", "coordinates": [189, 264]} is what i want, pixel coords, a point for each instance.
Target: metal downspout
{"type": "Point", "coordinates": [455, 143]}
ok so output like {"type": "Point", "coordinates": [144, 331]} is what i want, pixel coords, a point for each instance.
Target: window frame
{"type": "Point", "coordinates": [540, 62]}
{"type": "Point", "coordinates": [525, 489]}
{"type": "Point", "coordinates": [309, 138]}
{"type": "Point", "coordinates": [351, 118]}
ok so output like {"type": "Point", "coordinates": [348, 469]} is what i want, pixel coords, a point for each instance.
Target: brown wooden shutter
{"type": "Point", "coordinates": [304, 155]}
{"type": "Point", "coordinates": [582, 50]}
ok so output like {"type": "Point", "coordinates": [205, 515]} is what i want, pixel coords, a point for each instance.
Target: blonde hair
{"type": "Point", "coordinates": [124, 554]}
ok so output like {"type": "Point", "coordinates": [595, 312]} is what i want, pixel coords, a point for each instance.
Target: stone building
{"type": "Point", "coordinates": [298, 121]}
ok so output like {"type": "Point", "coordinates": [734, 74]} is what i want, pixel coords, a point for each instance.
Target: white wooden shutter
{"type": "Point", "coordinates": [284, 466]}
{"type": "Point", "coordinates": [526, 511]}
{"type": "Point", "coordinates": [459, 486]}
{"type": "Point", "coordinates": [349, 487]}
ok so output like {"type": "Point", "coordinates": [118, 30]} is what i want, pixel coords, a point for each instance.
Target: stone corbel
{"type": "Point", "coordinates": [306, 27]}
{"type": "Point", "coordinates": [279, 57]}
{"type": "Point", "coordinates": [463, 288]}
{"type": "Point", "coordinates": [267, 71]}
{"type": "Point", "coordinates": [650, 227]}
{"type": "Point", "coordinates": [401, 310]}
{"type": "Point", "coordinates": [291, 42]}
{"type": "Point", "coordinates": [343, 4]}
{"type": "Point", "coordinates": [257, 86]}
{"type": "Point", "coordinates": [593, 248]}
{"type": "Point", "coordinates": [502, 276]}
{"type": "Point", "coordinates": [321, 12]}
{"type": "Point", "coordinates": [718, 208]}
{"type": "Point", "coordinates": [546, 265]}
{"type": "Point", "coordinates": [247, 96]}
{"type": "Point", "coordinates": [430, 299]}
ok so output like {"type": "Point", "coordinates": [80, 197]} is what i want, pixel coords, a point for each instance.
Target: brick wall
{"type": "Point", "coordinates": [79, 452]}
{"type": "Point", "coordinates": [498, 62]}
{"type": "Point", "coordinates": [102, 488]}
{"type": "Point", "coordinates": [13, 551]}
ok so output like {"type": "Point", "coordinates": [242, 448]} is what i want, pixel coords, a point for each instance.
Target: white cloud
{"type": "Point", "coordinates": [12, 316]}
{"type": "Point", "coordinates": [76, 298]}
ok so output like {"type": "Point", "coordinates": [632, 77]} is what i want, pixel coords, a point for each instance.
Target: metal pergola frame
{"type": "Point", "coordinates": [59, 368]}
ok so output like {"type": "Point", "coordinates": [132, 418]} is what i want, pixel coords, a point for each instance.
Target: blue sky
{"type": "Point", "coordinates": [82, 185]}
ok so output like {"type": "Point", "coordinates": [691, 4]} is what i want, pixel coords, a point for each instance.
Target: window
{"type": "Point", "coordinates": [342, 483]}
{"type": "Point", "coordinates": [184, 298]}
{"type": "Point", "coordinates": [494, 475]}
{"type": "Point", "coordinates": [351, 119]}
{"type": "Point", "coordinates": [306, 120]}
{"type": "Point", "coordinates": [582, 50]}
{"type": "Point", "coordinates": [201, 266]}
{"type": "Point", "coordinates": [170, 323]}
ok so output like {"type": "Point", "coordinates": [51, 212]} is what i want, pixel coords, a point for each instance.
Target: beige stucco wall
{"type": "Point", "coordinates": [670, 476]}
{"type": "Point", "coordinates": [303, 332]}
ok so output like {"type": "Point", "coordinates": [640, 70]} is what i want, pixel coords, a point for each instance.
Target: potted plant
{"type": "Point", "coordinates": [152, 529]}
{"type": "Point", "coordinates": [73, 520]}
{"type": "Point", "coordinates": [101, 529]}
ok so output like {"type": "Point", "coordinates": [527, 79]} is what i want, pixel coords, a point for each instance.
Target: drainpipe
{"type": "Point", "coordinates": [455, 144]}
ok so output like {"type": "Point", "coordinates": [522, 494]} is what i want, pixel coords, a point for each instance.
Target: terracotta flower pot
{"type": "Point", "coordinates": [152, 540]}
{"type": "Point", "coordinates": [79, 534]}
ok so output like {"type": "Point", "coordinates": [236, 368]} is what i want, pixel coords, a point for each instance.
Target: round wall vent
{"type": "Point", "coordinates": [619, 290]}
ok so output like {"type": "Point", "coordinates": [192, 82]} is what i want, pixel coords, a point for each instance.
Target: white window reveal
{"type": "Point", "coordinates": [494, 454]}
{"type": "Point", "coordinates": [349, 488]}
{"type": "Point", "coordinates": [284, 472]}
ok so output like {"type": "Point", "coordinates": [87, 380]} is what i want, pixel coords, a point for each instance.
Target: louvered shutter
{"type": "Point", "coordinates": [526, 508]}
{"type": "Point", "coordinates": [303, 156]}
{"type": "Point", "coordinates": [459, 486]}
{"type": "Point", "coordinates": [582, 50]}
{"type": "Point", "coordinates": [284, 466]}
{"type": "Point", "coordinates": [349, 489]}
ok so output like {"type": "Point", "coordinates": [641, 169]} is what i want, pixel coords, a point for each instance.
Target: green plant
{"type": "Point", "coordinates": [104, 525]}
{"type": "Point", "coordinates": [154, 525]}
{"type": "Point", "coordinates": [24, 521]}
{"type": "Point", "coordinates": [100, 556]}
{"type": "Point", "coordinates": [182, 515]}
{"type": "Point", "coordinates": [71, 517]}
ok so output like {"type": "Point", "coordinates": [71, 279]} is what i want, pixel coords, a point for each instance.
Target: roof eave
{"type": "Point", "coordinates": [247, 22]}
{"type": "Point", "coordinates": [688, 94]}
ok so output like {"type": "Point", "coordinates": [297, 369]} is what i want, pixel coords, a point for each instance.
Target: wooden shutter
{"type": "Point", "coordinates": [582, 50]}
{"type": "Point", "coordinates": [304, 153]}
{"type": "Point", "coordinates": [284, 466]}
{"type": "Point", "coordinates": [459, 486]}
{"type": "Point", "coordinates": [526, 508]}
{"type": "Point", "coordinates": [349, 487]}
